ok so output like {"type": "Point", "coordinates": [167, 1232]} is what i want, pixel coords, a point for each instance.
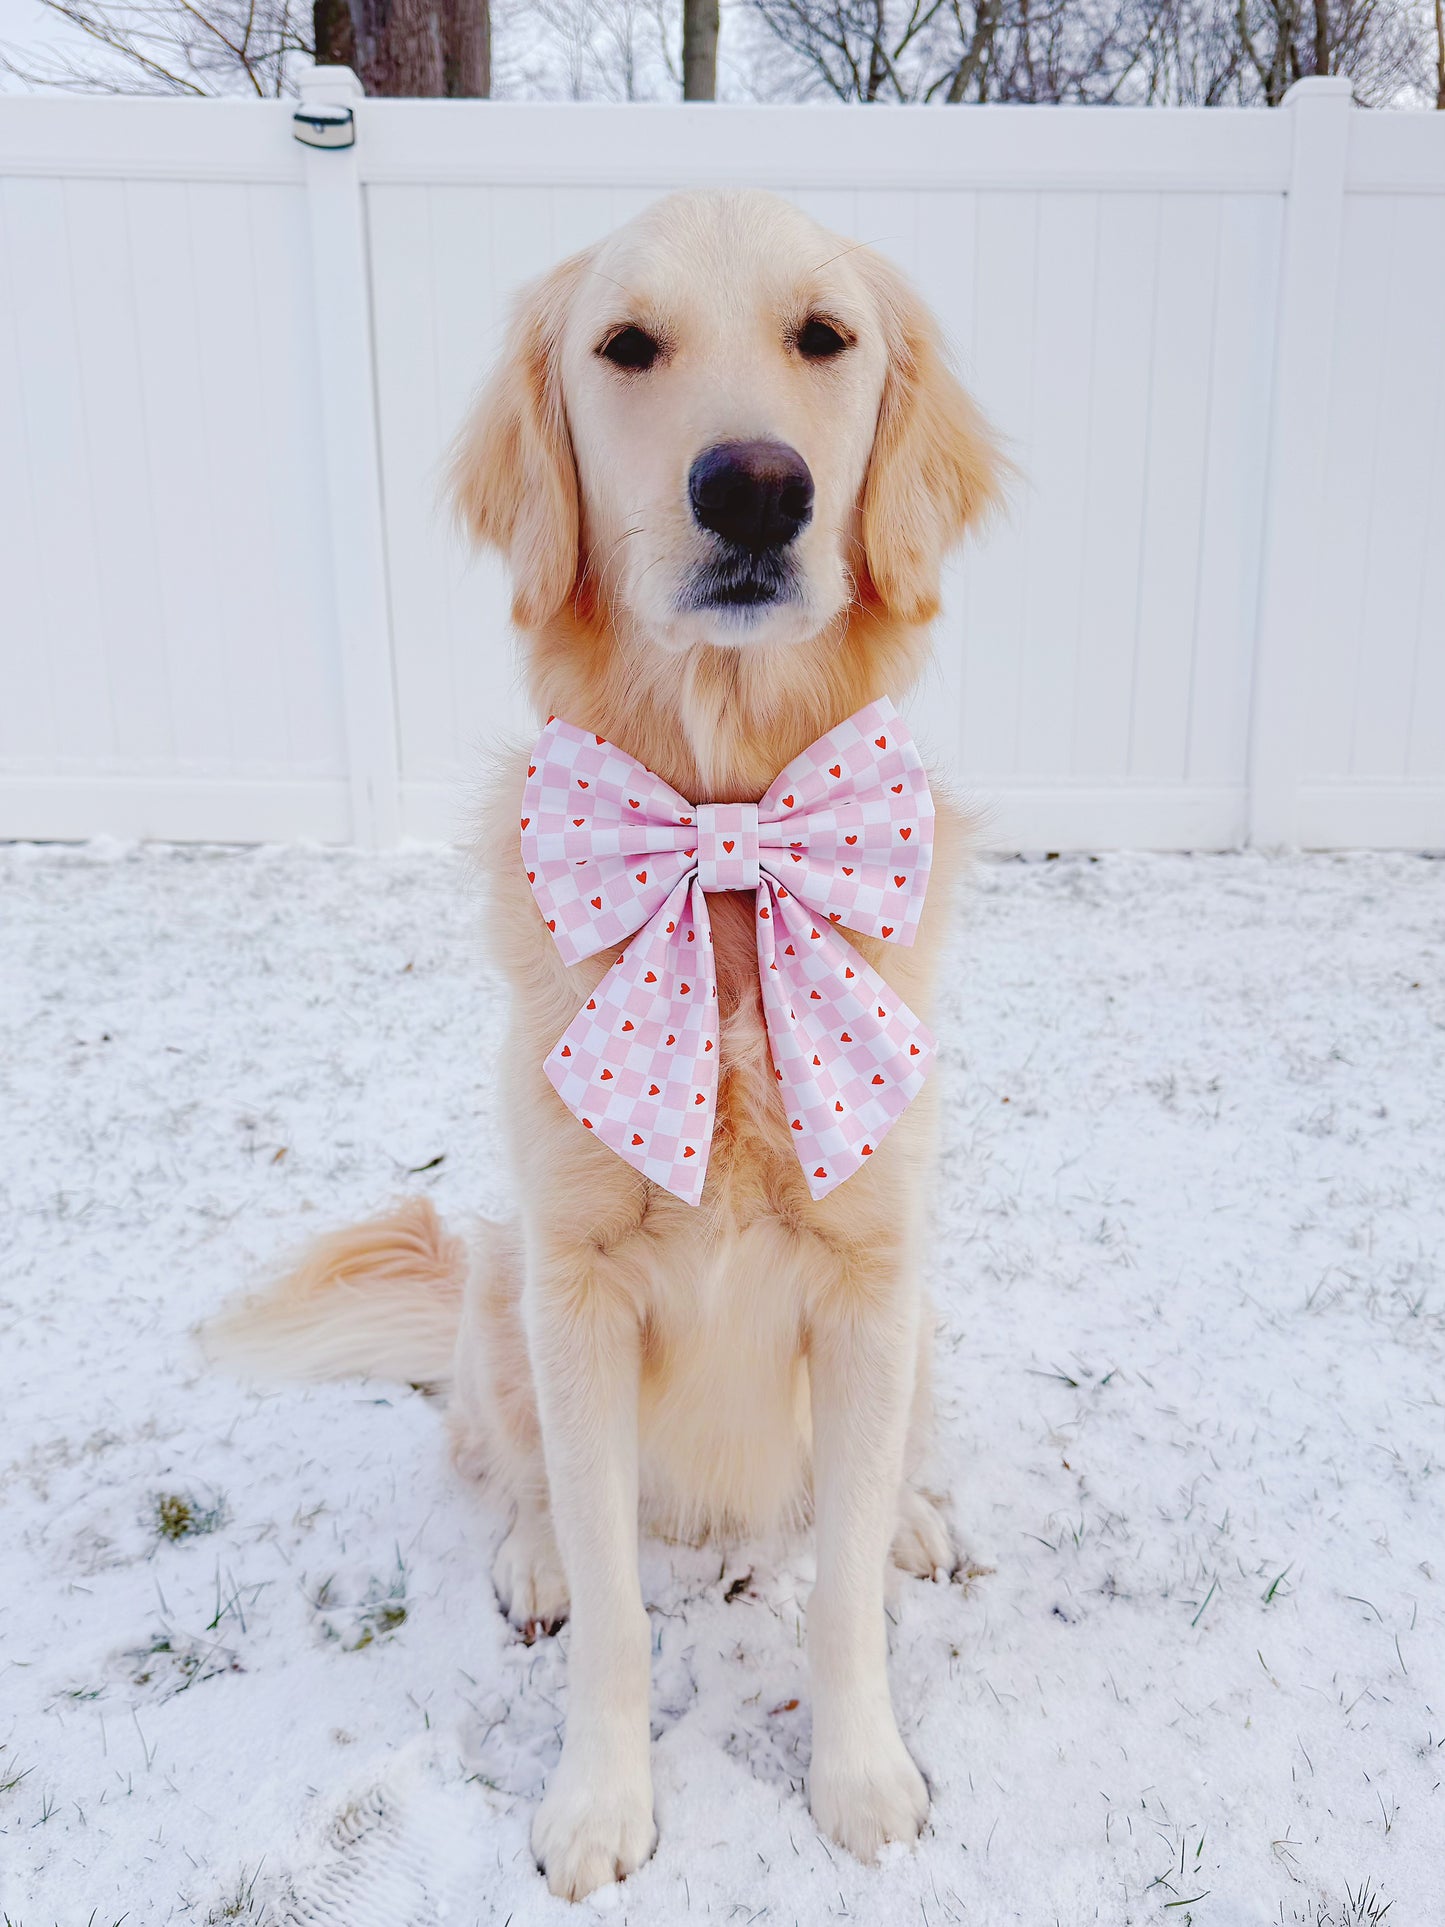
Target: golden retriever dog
{"type": "Point", "coordinates": [615, 1353]}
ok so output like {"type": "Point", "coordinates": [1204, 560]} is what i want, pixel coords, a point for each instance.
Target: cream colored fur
{"type": "Point", "coordinates": [618, 1354]}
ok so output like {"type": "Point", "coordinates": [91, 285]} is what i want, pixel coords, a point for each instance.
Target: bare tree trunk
{"type": "Point", "coordinates": [699, 49]}
{"type": "Point", "coordinates": [468, 58]}
{"type": "Point", "coordinates": [416, 48]}
{"type": "Point", "coordinates": [1322, 36]}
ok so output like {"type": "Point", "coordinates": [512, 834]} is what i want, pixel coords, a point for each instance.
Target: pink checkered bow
{"type": "Point", "coordinates": [844, 836]}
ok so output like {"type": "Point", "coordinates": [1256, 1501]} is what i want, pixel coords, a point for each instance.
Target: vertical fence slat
{"type": "Point", "coordinates": [353, 468]}
{"type": "Point", "coordinates": [1294, 562]}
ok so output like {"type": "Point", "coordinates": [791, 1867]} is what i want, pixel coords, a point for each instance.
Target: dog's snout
{"type": "Point", "coordinates": [757, 495]}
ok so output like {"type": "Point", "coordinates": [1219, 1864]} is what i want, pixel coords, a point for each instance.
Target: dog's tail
{"type": "Point", "coordinates": [378, 1300]}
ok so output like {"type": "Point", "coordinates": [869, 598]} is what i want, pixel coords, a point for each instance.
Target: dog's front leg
{"type": "Point", "coordinates": [864, 1788]}
{"type": "Point", "coordinates": [595, 1822]}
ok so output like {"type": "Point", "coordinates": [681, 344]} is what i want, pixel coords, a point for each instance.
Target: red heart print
{"type": "Point", "coordinates": [685, 819]}
{"type": "Point", "coordinates": [688, 1151]}
{"type": "Point", "coordinates": [596, 903]}
{"type": "Point", "coordinates": [835, 916]}
{"type": "Point", "coordinates": [708, 1044]}
{"type": "Point", "coordinates": [787, 802]}
{"type": "Point", "coordinates": [867, 1150]}
{"type": "Point", "coordinates": [913, 1050]}
{"type": "Point", "coordinates": [898, 789]}
{"type": "Point", "coordinates": [670, 1038]}
{"type": "Point", "coordinates": [729, 847]}
{"type": "Point", "coordinates": [797, 1124]}
{"type": "Point", "coordinates": [627, 1024]}
{"type": "Point", "coordinates": [606, 1077]}
{"type": "Point", "coordinates": [699, 1099]}
{"type": "Point", "coordinates": [790, 952]}
{"type": "Point", "coordinates": [847, 970]}
{"type": "Point", "coordinates": [794, 855]}
{"type": "Point", "coordinates": [637, 1137]}
{"type": "Point", "coordinates": [838, 1105]}
{"type": "Point", "coordinates": [600, 740]}
{"type": "Point", "coordinates": [531, 876]}
{"type": "Point", "coordinates": [552, 924]}
{"type": "Point", "coordinates": [588, 1122]}
{"type": "Point", "coordinates": [531, 769]}
{"type": "Point", "coordinates": [906, 831]}
{"type": "Point", "coordinates": [881, 741]}
{"type": "Point", "coordinates": [525, 821]}
{"type": "Point", "coordinates": [670, 928]}
{"type": "Point", "coordinates": [642, 876]}
{"type": "Point", "coordinates": [877, 1077]}
{"type": "Point", "coordinates": [685, 988]}
{"type": "Point", "coordinates": [632, 803]}
{"type": "Point", "coordinates": [881, 1011]}
{"type": "Point", "coordinates": [583, 786]}
{"type": "Point", "coordinates": [577, 822]}
{"type": "Point", "coordinates": [820, 1172]}
{"type": "Point", "coordinates": [816, 937]}
{"type": "Point", "coordinates": [764, 911]}
{"type": "Point", "coordinates": [650, 978]}
{"type": "Point", "coordinates": [847, 870]}
{"type": "Point", "coordinates": [850, 839]}
{"type": "Point", "coordinates": [652, 1091]}
{"type": "Point", "coordinates": [888, 929]}
{"type": "Point", "coordinates": [592, 1003]}
{"type": "Point", "coordinates": [899, 882]}
{"type": "Point", "coordinates": [816, 996]}
{"type": "Point", "coordinates": [818, 1060]}
{"type": "Point", "coordinates": [566, 1050]}
{"type": "Point", "coordinates": [844, 1038]}
{"type": "Point", "coordinates": [836, 769]}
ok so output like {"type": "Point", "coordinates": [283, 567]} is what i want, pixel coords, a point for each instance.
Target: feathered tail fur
{"type": "Point", "coordinates": [377, 1300]}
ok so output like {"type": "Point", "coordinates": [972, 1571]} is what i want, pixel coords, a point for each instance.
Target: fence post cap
{"type": "Point", "coordinates": [329, 87]}
{"type": "Point", "coordinates": [1320, 87]}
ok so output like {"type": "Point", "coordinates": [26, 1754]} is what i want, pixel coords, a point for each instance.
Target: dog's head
{"type": "Point", "coordinates": [723, 425]}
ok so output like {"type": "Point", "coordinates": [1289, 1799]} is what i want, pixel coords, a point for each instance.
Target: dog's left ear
{"type": "Point", "coordinates": [513, 475]}
{"type": "Point", "coordinates": [936, 468]}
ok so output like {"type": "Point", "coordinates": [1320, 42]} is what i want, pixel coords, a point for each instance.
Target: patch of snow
{"type": "Point", "coordinates": [1188, 1259]}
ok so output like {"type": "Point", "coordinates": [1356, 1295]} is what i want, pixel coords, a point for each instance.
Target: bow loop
{"type": "Point", "coordinates": [844, 836]}
{"type": "Point", "coordinates": [848, 826]}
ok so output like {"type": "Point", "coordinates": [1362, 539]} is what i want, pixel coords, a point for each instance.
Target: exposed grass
{"type": "Point", "coordinates": [175, 1516]}
{"type": "Point", "coordinates": [355, 1624]}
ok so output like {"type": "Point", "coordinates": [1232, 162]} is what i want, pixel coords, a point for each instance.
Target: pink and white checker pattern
{"type": "Point", "coordinates": [843, 837]}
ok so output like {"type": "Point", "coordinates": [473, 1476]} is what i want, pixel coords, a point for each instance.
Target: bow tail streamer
{"type": "Point", "coordinates": [849, 1053]}
{"type": "Point", "coordinates": [638, 1063]}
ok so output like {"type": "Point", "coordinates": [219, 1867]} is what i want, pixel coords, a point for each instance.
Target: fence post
{"type": "Point", "coordinates": [1293, 564]}
{"type": "Point", "coordinates": [342, 298]}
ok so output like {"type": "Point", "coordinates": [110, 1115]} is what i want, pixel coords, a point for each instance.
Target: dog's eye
{"type": "Point", "coordinates": [819, 340]}
{"type": "Point", "coordinates": [630, 348]}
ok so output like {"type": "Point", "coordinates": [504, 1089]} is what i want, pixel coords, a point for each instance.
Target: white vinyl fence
{"type": "Point", "coordinates": [231, 607]}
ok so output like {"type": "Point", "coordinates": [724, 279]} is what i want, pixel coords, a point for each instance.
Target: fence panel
{"type": "Point", "coordinates": [170, 663]}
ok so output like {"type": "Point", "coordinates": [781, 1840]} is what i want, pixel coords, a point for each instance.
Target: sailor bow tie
{"type": "Point", "coordinates": [844, 836]}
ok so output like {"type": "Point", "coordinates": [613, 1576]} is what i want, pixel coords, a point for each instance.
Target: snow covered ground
{"type": "Point", "coordinates": [1190, 1261]}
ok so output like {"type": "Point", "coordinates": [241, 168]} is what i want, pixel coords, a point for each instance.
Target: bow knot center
{"type": "Point", "coordinates": [727, 846]}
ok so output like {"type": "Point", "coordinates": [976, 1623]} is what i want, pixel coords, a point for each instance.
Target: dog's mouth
{"type": "Point", "coordinates": [742, 580]}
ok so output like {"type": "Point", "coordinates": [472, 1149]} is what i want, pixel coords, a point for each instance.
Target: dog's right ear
{"type": "Point", "coordinates": [513, 476]}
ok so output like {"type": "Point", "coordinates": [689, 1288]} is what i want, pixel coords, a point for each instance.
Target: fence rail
{"type": "Point", "coordinates": [230, 366]}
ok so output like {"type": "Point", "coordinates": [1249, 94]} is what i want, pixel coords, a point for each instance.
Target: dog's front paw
{"type": "Point", "coordinates": [922, 1543]}
{"type": "Point", "coordinates": [866, 1795]}
{"type": "Point", "coordinates": [527, 1573]}
{"type": "Point", "coordinates": [593, 1828]}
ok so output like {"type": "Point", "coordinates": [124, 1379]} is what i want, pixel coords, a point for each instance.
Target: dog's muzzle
{"type": "Point", "coordinates": [727, 846]}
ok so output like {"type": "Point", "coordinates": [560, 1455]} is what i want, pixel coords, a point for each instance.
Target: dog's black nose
{"type": "Point", "coordinates": [754, 494]}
